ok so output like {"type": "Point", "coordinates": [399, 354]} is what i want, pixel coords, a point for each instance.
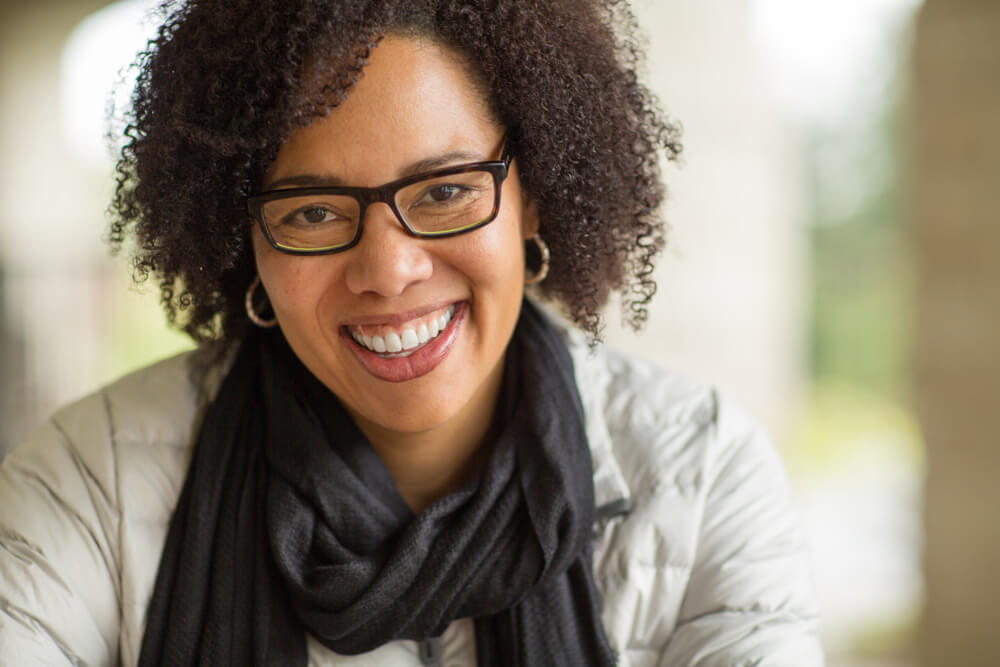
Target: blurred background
{"type": "Point", "coordinates": [834, 265]}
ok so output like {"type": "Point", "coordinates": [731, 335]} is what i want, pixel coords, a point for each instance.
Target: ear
{"type": "Point", "coordinates": [529, 217]}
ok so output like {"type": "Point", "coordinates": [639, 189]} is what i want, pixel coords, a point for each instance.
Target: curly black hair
{"type": "Point", "coordinates": [224, 83]}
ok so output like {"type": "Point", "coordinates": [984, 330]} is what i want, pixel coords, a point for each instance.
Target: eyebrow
{"type": "Point", "coordinates": [429, 164]}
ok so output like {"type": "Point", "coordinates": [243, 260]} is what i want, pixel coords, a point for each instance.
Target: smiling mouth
{"type": "Point", "coordinates": [396, 342]}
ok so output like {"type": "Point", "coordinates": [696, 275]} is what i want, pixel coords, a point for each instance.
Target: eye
{"type": "Point", "coordinates": [315, 215]}
{"type": "Point", "coordinates": [311, 216]}
{"type": "Point", "coordinates": [444, 192]}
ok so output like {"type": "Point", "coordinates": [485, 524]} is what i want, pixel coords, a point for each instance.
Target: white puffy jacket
{"type": "Point", "coordinates": [708, 568]}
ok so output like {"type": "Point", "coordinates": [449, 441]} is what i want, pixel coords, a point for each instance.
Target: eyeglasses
{"type": "Point", "coordinates": [434, 204]}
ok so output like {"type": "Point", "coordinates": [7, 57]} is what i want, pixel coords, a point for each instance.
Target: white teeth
{"type": "Point", "coordinates": [409, 339]}
{"type": "Point", "coordinates": [442, 321]}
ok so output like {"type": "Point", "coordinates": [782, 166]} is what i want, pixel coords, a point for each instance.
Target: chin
{"type": "Point", "coordinates": [413, 418]}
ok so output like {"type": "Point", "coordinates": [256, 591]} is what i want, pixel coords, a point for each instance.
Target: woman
{"type": "Point", "coordinates": [382, 454]}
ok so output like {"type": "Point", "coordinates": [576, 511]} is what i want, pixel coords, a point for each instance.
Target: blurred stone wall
{"type": "Point", "coordinates": [54, 274]}
{"type": "Point", "coordinates": [730, 309]}
{"type": "Point", "coordinates": [955, 206]}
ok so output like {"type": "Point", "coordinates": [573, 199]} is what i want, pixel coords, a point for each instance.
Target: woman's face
{"type": "Point", "coordinates": [414, 108]}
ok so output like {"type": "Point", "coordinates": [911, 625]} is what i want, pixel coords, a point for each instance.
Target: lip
{"type": "Point", "coordinates": [396, 319]}
{"type": "Point", "coordinates": [421, 362]}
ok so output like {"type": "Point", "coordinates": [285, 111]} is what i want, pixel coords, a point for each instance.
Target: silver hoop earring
{"type": "Point", "coordinates": [543, 268]}
{"type": "Point", "coordinates": [251, 313]}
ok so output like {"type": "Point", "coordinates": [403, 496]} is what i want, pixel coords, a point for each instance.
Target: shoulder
{"type": "Point", "coordinates": [666, 434]}
{"type": "Point", "coordinates": [116, 460]}
{"type": "Point", "coordinates": [84, 503]}
{"type": "Point", "coordinates": [144, 405]}
{"type": "Point", "coordinates": [129, 440]}
{"type": "Point", "coordinates": [711, 547]}
{"type": "Point", "coordinates": [152, 408]}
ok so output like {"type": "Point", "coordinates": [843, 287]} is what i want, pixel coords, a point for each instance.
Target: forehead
{"type": "Point", "coordinates": [415, 99]}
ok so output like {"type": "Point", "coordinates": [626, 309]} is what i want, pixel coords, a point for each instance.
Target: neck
{"type": "Point", "coordinates": [428, 465]}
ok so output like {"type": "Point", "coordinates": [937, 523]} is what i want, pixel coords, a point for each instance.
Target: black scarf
{"type": "Point", "coordinates": [288, 522]}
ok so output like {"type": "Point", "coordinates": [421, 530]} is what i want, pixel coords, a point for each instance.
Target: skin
{"type": "Point", "coordinates": [415, 102]}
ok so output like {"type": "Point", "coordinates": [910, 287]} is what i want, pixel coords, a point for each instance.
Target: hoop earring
{"type": "Point", "coordinates": [543, 269]}
{"type": "Point", "coordinates": [251, 313]}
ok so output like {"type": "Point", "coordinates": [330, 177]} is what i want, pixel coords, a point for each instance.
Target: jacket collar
{"type": "Point", "coordinates": [611, 493]}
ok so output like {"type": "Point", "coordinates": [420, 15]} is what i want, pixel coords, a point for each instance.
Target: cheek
{"type": "Point", "coordinates": [269, 263]}
{"type": "Point", "coordinates": [495, 257]}
{"type": "Point", "coordinates": [293, 285]}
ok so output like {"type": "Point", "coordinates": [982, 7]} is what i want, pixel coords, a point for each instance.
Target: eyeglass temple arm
{"type": "Point", "coordinates": [507, 155]}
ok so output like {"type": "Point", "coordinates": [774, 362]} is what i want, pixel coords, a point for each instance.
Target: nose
{"type": "Point", "coordinates": [387, 260]}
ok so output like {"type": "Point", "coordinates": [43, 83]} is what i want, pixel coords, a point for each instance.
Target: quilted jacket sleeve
{"type": "Point", "coordinates": [749, 600]}
{"type": "Point", "coordinates": [59, 593]}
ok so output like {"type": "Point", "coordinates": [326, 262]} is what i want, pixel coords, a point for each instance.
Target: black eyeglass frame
{"type": "Point", "coordinates": [386, 194]}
